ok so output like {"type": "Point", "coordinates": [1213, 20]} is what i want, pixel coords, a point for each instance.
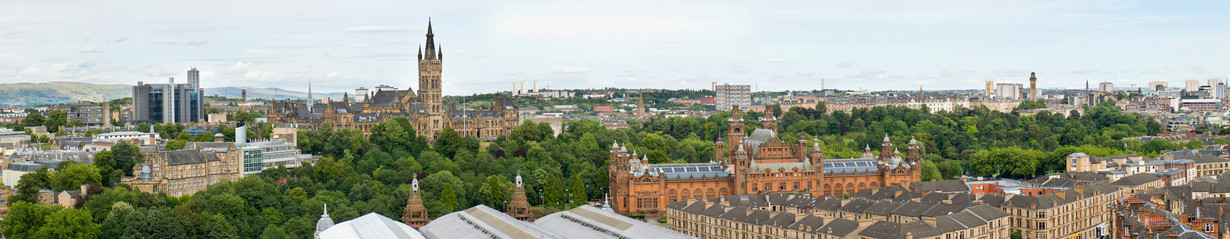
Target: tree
{"type": "Point", "coordinates": [1195, 144]}
{"type": "Point", "coordinates": [69, 223]}
{"type": "Point", "coordinates": [126, 156]}
{"type": "Point", "coordinates": [448, 142]}
{"type": "Point", "coordinates": [75, 175]}
{"type": "Point", "coordinates": [28, 186]}
{"type": "Point", "coordinates": [448, 198]}
{"type": "Point", "coordinates": [55, 119]}
{"type": "Point", "coordinates": [274, 232]}
{"type": "Point", "coordinates": [104, 161]}
{"type": "Point", "coordinates": [33, 119]}
{"type": "Point", "coordinates": [930, 171]}
{"type": "Point", "coordinates": [553, 193]}
{"type": "Point", "coordinates": [577, 189]}
{"type": "Point", "coordinates": [174, 145]}
{"type": "Point", "coordinates": [25, 219]}
{"type": "Point", "coordinates": [1016, 235]}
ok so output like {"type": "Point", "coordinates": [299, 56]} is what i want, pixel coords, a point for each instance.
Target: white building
{"type": "Point", "coordinates": [136, 137]}
{"type": "Point", "coordinates": [258, 156]}
{"type": "Point", "coordinates": [937, 105]}
{"type": "Point", "coordinates": [1009, 90]}
{"type": "Point", "coordinates": [1193, 85]}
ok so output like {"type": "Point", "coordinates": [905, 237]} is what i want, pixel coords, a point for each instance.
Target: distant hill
{"type": "Point", "coordinates": [267, 93]}
{"type": "Point", "coordinates": [29, 94]}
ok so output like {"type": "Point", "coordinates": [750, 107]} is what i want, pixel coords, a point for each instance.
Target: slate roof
{"type": "Point", "coordinates": [940, 186]}
{"type": "Point", "coordinates": [839, 227]}
{"type": "Point", "coordinates": [890, 230]}
{"type": "Point", "coordinates": [182, 156]}
{"type": "Point", "coordinates": [1136, 180]}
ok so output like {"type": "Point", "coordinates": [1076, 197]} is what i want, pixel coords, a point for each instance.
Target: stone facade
{"type": "Point", "coordinates": [757, 163]}
{"type": "Point", "coordinates": [186, 171]}
{"type": "Point", "coordinates": [426, 110]}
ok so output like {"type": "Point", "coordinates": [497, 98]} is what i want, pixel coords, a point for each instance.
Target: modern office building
{"type": "Point", "coordinates": [90, 114]}
{"type": "Point", "coordinates": [170, 102]}
{"type": "Point", "coordinates": [733, 95]}
{"type": "Point", "coordinates": [258, 156]}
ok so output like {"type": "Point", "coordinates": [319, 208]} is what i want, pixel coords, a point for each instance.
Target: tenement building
{"type": "Point", "coordinates": [756, 162]}
{"type": "Point", "coordinates": [426, 110]}
{"type": "Point", "coordinates": [803, 216]}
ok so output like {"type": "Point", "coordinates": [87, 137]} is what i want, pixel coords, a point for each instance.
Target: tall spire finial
{"type": "Point", "coordinates": [431, 43]}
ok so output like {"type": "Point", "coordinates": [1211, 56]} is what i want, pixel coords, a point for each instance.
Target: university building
{"type": "Point", "coordinates": [188, 170]}
{"type": "Point", "coordinates": [754, 161]}
{"type": "Point", "coordinates": [426, 110]}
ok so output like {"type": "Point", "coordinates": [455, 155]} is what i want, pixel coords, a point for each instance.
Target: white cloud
{"type": "Point", "coordinates": [88, 49]}
{"type": "Point", "coordinates": [355, 45]}
{"type": "Point", "coordinates": [239, 67]}
{"type": "Point", "coordinates": [375, 29]}
{"type": "Point", "coordinates": [256, 51]}
{"type": "Point", "coordinates": [776, 60]}
{"type": "Point", "coordinates": [569, 69]}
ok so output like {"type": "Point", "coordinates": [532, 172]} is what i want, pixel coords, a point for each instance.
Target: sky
{"type": "Point", "coordinates": [489, 45]}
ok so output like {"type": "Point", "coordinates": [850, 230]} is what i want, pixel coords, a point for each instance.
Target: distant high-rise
{"type": "Point", "coordinates": [1008, 90]}
{"type": "Point", "coordinates": [194, 78]}
{"type": "Point", "coordinates": [168, 103]}
{"type": "Point", "coordinates": [360, 93]}
{"type": "Point", "coordinates": [728, 95]}
{"type": "Point", "coordinates": [1158, 85]}
{"type": "Point", "coordinates": [1106, 86]}
{"type": "Point", "coordinates": [1193, 85]}
{"type": "Point", "coordinates": [1214, 82]}
{"type": "Point", "coordinates": [1033, 86]}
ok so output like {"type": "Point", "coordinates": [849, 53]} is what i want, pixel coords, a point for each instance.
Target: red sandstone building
{"type": "Point", "coordinates": [756, 162]}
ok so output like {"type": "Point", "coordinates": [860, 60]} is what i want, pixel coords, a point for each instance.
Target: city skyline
{"type": "Point", "coordinates": [882, 45]}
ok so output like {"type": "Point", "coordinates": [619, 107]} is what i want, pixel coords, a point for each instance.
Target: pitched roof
{"type": "Point", "coordinates": [1136, 180]}
{"type": "Point", "coordinates": [940, 186]}
{"type": "Point", "coordinates": [182, 156]}
{"type": "Point", "coordinates": [840, 227]}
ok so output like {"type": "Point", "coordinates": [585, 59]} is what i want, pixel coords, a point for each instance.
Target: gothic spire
{"type": "Point", "coordinates": [431, 43]}
{"type": "Point", "coordinates": [420, 52]}
{"type": "Point", "coordinates": [440, 53]}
